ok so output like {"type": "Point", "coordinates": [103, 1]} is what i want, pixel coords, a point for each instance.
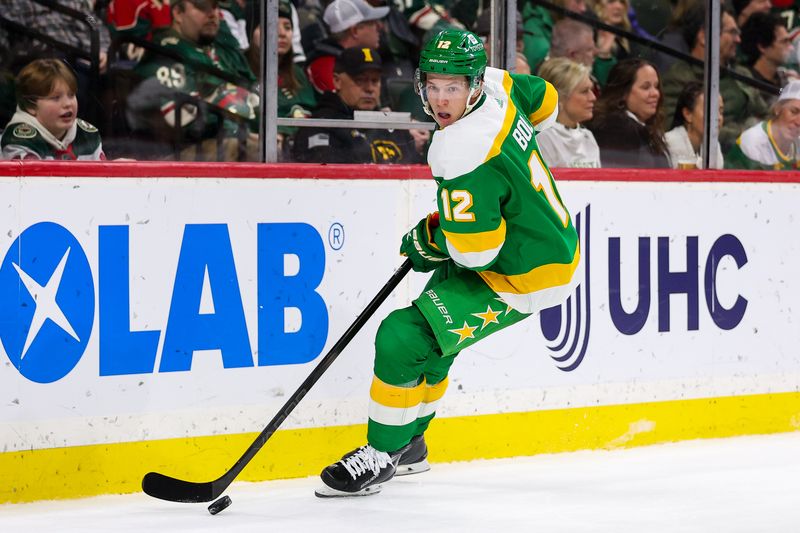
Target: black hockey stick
{"type": "Point", "coordinates": [177, 490]}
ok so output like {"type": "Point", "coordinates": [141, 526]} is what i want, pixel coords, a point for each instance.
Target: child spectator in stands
{"type": "Point", "coordinates": [627, 118]}
{"type": "Point", "coordinates": [46, 124]}
{"type": "Point", "coordinates": [771, 144]}
{"type": "Point", "coordinates": [766, 47]}
{"type": "Point", "coordinates": [567, 143]}
{"type": "Point", "coordinates": [614, 13]}
{"type": "Point", "coordinates": [686, 136]}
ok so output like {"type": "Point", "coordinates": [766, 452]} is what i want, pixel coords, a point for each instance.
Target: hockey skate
{"type": "Point", "coordinates": [414, 460]}
{"type": "Point", "coordinates": [359, 473]}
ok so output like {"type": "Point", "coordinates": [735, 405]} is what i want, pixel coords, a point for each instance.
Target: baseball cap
{"type": "Point", "coordinates": [343, 14]}
{"type": "Point", "coordinates": [356, 60]}
{"type": "Point", "coordinates": [791, 91]}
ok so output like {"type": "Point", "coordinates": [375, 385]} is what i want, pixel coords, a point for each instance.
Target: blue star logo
{"type": "Point", "coordinates": [47, 296]}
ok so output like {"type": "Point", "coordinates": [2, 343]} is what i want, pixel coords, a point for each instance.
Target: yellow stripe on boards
{"type": "Point", "coordinates": [548, 105]}
{"type": "Point", "coordinates": [118, 468]}
{"type": "Point", "coordinates": [393, 396]}
{"type": "Point", "coordinates": [537, 279]}
{"type": "Point", "coordinates": [477, 242]}
{"type": "Point", "coordinates": [508, 120]}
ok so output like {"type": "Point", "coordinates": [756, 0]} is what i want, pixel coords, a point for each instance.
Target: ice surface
{"type": "Point", "coordinates": [745, 484]}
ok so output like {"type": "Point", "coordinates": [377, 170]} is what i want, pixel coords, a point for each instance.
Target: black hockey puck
{"type": "Point", "coordinates": [219, 505]}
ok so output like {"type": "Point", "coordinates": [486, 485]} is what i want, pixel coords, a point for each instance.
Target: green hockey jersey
{"type": "Point", "coordinates": [25, 138]}
{"type": "Point", "coordinates": [500, 211]}
{"type": "Point", "coordinates": [192, 78]}
{"type": "Point", "coordinates": [756, 149]}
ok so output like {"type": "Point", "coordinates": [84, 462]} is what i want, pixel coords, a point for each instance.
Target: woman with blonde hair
{"type": "Point", "coordinates": [566, 143]}
{"type": "Point", "coordinates": [614, 13]}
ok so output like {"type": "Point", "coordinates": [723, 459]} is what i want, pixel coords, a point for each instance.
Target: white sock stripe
{"type": "Point", "coordinates": [393, 416]}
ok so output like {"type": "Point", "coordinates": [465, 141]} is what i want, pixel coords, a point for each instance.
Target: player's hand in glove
{"type": "Point", "coordinates": [418, 245]}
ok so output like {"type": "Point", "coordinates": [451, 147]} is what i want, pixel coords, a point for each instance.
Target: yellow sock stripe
{"type": "Point", "coordinates": [393, 396]}
{"type": "Point", "coordinates": [118, 468]}
{"type": "Point", "coordinates": [537, 279]}
{"type": "Point", "coordinates": [434, 393]}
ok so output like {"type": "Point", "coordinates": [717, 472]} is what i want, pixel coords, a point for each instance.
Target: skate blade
{"type": "Point", "coordinates": [414, 468]}
{"type": "Point", "coordinates": [326, 492]}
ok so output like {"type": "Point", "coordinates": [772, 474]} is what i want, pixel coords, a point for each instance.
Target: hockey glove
{"type": "Point", "coordinates": [418, 245]}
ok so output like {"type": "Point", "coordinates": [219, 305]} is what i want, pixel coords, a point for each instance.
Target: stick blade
{"type": "Point", "coordinates": [177, 490]}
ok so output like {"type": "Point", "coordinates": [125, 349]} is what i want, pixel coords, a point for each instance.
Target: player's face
{"type": "Point", "coordinates": [199, 26]}
{"type": "Point", "coordinates": [579, 105]}
{"type": "Point", "coordinates": [447, 96]}
{"type": "Point", "coordinates": [642, 100]}
{"type": "Point", "coordinates": [788, 120]}
{"type": "Point", "coordinates": [284, 35]}
{"type": "Point", "coordinates": [58, 110]}
{"type": "Point", "coordinates": [361, 91]}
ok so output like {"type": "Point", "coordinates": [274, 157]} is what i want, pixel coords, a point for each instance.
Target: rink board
{"type": "Point", "coordinates": [191, 301]}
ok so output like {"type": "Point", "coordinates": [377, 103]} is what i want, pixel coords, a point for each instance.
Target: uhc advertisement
{"type": "Point", "coordinates": [136, 309]}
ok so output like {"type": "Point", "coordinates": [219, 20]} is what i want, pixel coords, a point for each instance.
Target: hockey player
{"type": "Point", "coordinates": [501, 247]}
{"type": "Point", "coordinates": [46, 123]}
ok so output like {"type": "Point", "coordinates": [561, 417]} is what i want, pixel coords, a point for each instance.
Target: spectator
{"type": "Point", "coordinates": [672, 35]}
{"type": "Point", "coordinates": [296, 96]}
{"type": "Point", "coordinates": [575, 40]}
{"type": "Point", "coordinates": [686, 136]}
{"type": "Point", "coordinates": [194, 37]}
{"type": "Point", "coordinates": [614, 13]}
{"type": "Point", "coordinates": [353, 23]}
{"type": "Point", "coordinates": [63, 28]}
{"type": "Point", "coordinates": [627, 118]}
{"type": "Point", "coordinates": [744, 105]}
{"type": "Point", "coordinates": [357, 78]}
{"type": "Point", "coordinates": [46, 124]}
{"type": "Point", "coordinates": [429, 17]}
{"type": "Point", "coordinates": [567, 143]}
{"type": "Point", "coordinates": [743, 9]}
{"type": "Point", "coordinates": [138, 18]}
{"type": "Point", "coordinates": [483, 29]}
{"type": "Point", "coordinates": [538, 23]}
{"type": "Point", "coordinates": [771, 144]}
{"type": "Point", "coordinates": [766, 47]}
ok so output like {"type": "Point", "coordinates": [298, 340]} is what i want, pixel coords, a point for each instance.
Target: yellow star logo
{"type": "Point", "coordinates": [489, 317]}
{"type": "Point", "coordinates": [465, 332]}
{"type": "Point", "coordinates": [508, 307]}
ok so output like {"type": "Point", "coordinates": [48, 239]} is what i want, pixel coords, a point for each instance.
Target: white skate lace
{"type": "Point", "coordinates": [366, 458]}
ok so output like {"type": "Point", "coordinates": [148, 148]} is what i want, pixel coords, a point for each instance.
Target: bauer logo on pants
{"type": "Point", "coordinates": [48, 300]}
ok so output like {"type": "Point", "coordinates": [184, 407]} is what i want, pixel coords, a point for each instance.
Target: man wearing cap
{"type": "Point", "coordinates": [194, 36]}
{"type": "Point", "coordinates": [357, 86]}
{"type": "Point", "coordinates": [352, 23]}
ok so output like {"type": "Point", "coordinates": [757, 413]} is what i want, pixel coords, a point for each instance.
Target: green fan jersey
{"type": "Point", "coordinates": [500, 212]}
